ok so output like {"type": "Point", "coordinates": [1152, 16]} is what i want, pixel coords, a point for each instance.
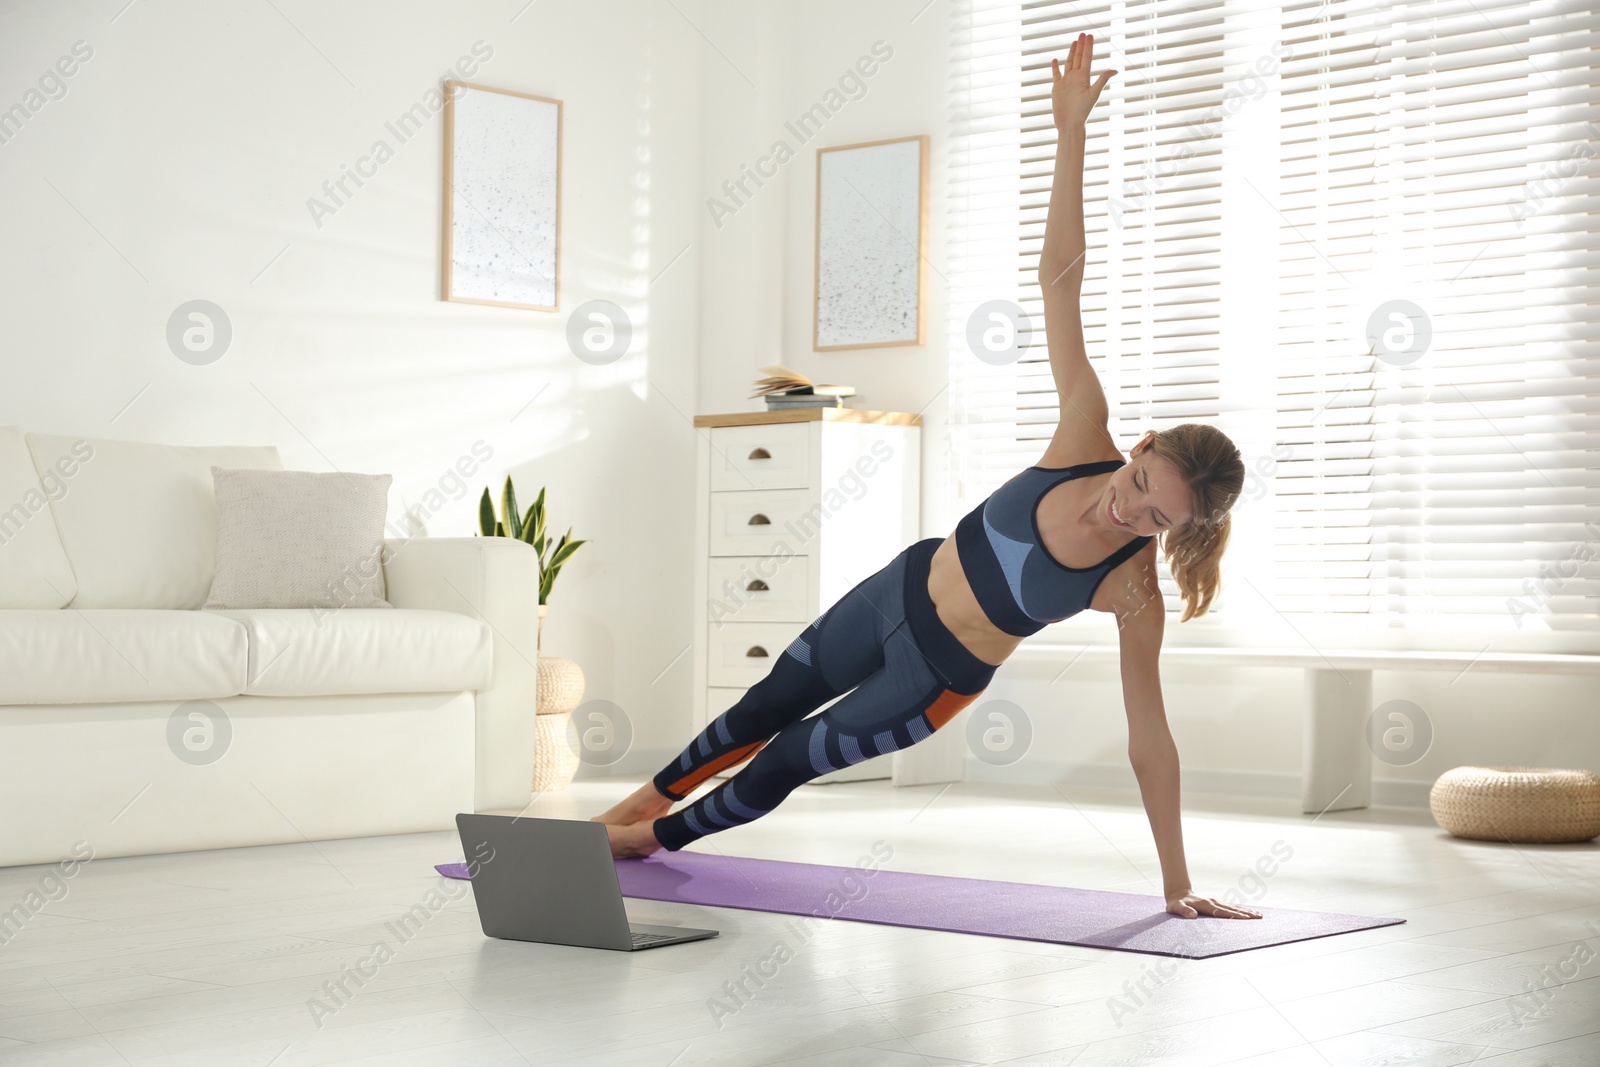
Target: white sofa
{"type": "Point", "coordinates": [134, 721]}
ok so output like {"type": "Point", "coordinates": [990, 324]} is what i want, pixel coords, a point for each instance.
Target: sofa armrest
{"type": "Point", "coordinates": [496, 580]}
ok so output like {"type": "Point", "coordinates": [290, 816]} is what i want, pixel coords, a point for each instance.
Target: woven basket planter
{"type": "Point", "coordinates": [1533, 805]}
{"type": "Point", "coordinates": [560, 685]}
{"type": "Point", "coordinates": [554, 759]}
{"type": "Point", "coordinates": [560, 689]}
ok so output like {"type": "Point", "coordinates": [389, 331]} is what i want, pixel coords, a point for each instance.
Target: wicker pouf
{"type": "Point", "coordinates": [1536, 805]}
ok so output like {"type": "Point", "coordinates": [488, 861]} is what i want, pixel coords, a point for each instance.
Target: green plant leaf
{"type": "Point", "coordinates": [565, 552]}
{"type": "Point", "coordinates": [538, 521]}
{"type": "Point", "coordinates": [499, 529]}
{"type": "Point", "coordinates": [531, 528]}
{"type": "Point", "coordinates": [508, 507]}
{"type": "Point", "coordinates": [486, 520]}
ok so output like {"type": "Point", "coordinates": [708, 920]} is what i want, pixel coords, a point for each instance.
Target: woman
{"type": "Point", "coordinates": [919, 640]}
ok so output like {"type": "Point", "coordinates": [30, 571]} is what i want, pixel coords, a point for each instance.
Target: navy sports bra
{"type": "Point", "coordinates": [1019, 585]}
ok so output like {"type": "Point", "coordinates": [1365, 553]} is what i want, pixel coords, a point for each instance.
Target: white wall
{"type": "Point", "coordinates": [178, 165]}
{"type": "Point", "coordinates": [758, 271]}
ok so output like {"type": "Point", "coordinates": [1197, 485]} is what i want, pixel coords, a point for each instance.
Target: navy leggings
{"type": "Point", "coordinates": [906, 673]}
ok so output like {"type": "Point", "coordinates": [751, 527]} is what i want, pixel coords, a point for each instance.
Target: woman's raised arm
{"type": "Point", "coordinates": [1081, 433]}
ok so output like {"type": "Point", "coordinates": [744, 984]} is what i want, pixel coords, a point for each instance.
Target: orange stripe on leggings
{"type": "Point", "coordinates": [944, 709]}
{"type": "Point", "coordinates": [691, 781]}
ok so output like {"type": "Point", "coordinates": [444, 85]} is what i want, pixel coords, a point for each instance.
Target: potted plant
{"type": "Point", "coordinates": [560, 681]}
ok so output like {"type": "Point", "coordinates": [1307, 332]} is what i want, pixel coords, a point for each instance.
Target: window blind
{"type": "Point", "coordinates": [1358, 237]}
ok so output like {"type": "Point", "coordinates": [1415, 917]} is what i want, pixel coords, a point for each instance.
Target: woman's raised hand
{"type": "Point", "coordinates": [1072, 97]}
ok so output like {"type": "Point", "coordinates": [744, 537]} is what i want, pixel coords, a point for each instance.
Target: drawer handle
{"type": "Point", "coordinates": [759, 519]}
{"type": "Point", "coordinates": [756, 586]}
{"type": "Point", "coordinates": [757, 651]}
{"type": "Point", "coordinates": [760, 453]}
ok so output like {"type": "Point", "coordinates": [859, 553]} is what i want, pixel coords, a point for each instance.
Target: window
{"type": "Point", "coordinates": [1362, 239]}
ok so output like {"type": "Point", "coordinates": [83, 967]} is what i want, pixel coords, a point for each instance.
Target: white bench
{"type": "Point", "coordinates": [1336, 761]}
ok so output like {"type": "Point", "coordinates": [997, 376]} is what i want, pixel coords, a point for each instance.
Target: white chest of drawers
{"type": "Point", "coordinates": [793, 509]}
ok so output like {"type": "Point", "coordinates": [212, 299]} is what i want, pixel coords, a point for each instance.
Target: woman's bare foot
{"type": "Point", "coordinates": [644, 803]}
{"type": "Point", "coordinates": [633, 841]}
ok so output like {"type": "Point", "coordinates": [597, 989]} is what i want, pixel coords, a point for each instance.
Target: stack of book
{"type": "Point", "coordinates": [786, 388]}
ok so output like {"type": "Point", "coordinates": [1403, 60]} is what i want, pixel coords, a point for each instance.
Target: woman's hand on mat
{"type": "Point", "coordinates": [1189, 906]}
{"type": "Point", "coordinates": [1072, 97]}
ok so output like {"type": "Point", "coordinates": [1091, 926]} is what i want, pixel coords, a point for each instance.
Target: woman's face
{"type": "Point", "coordinates": [1145, 496]}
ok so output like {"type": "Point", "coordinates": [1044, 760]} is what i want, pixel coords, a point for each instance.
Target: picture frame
{"type": "Point", "coordinates": [871, 264]}
{"type": "Point", "coordinates": [502, 198]}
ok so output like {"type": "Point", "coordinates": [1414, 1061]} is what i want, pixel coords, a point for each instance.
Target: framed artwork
{"type": "Point", "coordinates": [872, 236]}
{"type": "Point", "coordinates": [502, 197]}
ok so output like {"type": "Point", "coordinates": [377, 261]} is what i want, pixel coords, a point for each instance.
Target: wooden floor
{"type": "Point", "coordinates": [221, 958]}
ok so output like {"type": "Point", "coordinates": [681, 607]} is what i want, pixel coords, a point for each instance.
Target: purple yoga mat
{"type": "Point", "coordinates": [1088, 917]}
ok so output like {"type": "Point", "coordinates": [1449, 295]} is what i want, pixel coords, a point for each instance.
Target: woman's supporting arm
{"type": "Point", "coordinates": [1151, 750]}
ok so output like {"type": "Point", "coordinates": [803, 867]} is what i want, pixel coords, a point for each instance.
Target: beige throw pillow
{"type": "Point", "coordinates": [299, 539]}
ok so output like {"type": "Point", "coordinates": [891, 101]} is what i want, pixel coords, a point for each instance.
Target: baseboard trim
{"type": "Point", "coordinates": [1278, 785]}
{"type": "Point", "coordinates": [1035, 771]}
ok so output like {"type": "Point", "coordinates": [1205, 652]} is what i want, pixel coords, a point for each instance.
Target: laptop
{"type": "Point", "coordinates": [553, 880]}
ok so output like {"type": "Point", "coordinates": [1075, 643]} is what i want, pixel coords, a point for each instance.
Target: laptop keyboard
{"type": "Point", "coordinates": [648, 939]}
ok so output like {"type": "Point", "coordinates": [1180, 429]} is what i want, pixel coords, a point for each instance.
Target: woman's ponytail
{"type": "Point", "coordinates": [1211, 466]}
